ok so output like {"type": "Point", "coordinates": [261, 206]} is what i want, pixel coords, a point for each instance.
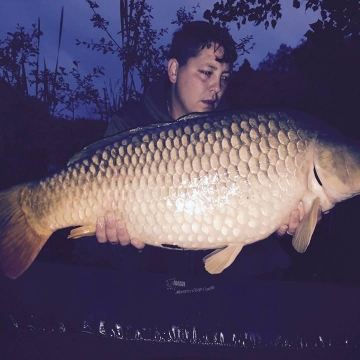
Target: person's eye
{"type": "Point", "coordinates": [225, 79]}
{"type": "Point", "coordinates": [205, 72]}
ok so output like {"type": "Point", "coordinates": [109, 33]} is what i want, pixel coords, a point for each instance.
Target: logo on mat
{"type": "Point", "coordinates": [179, 287]}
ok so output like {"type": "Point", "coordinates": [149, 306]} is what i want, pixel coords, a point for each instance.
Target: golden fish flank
{"type": "Point", "coordinates": [216, 180]}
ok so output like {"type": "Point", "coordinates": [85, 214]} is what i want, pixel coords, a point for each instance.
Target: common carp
{"type": "Point", "coordinates": [206, 181]}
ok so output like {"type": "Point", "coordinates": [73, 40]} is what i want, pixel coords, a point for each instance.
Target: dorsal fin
{"type": "Point", "coordinates": [98, 146]}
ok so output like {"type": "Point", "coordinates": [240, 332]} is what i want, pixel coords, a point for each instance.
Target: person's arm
{"type": "Point", "coordinates": [116, 125]}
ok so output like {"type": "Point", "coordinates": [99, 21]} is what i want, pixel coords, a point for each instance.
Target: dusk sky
{"type": "Point", "coordinates": [290, 29]}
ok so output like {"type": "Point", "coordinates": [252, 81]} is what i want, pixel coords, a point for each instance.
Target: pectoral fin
{"type": "Point", "coordinates": [86, 230]}
{"type": "Point", "coordinates": [220, 259]}
{"type": "Point", "coordinates": [304, 231]}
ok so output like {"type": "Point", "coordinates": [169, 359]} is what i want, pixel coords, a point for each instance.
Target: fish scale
{"type": "Point", "coordinates": [206, 181]}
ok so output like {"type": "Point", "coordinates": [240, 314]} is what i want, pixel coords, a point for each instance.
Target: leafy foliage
{"type": "Point", "coordinates": [341, 15]}
{"type": "Point", "coordinates": [62, 96]}
{"type": "Point", "coordinates": [183, 17]}
{"type": "Point", "coordinates": [243, 11]}
{"type": "Point", "coordinates": [136, 49]}
{"type": "Point", "coordinates": [17, 50]}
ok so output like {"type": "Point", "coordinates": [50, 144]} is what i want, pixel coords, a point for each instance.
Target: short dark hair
{"type": "Point", "coordinates": [196, 35]}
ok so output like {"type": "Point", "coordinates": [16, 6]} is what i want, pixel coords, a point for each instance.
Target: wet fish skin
{"type": "Point", "coordinates": [207, 181]}
{"type": "Point", "coordinates": [182, 184]}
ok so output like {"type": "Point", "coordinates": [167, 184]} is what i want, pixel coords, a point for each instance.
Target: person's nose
{"type": "Point", "coordinates": [215, 85]}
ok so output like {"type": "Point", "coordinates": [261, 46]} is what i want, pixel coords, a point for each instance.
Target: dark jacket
{"type": "Point", "coordinates": [152, 108]}
{"type": "Point", "coordinates": [260, 259]}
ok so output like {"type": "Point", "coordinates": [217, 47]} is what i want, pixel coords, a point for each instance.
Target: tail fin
{"type": "Point", "coordinates": [19, 242]}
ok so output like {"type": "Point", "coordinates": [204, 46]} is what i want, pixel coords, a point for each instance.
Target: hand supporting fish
{"type": "Point", "coordinates": [114, 230]}
{"type": "Point", "coordinates": [296, 217]}
{"type": "Point", "coordinates": [207, 181]}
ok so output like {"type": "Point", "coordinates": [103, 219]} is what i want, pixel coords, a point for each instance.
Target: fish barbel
{"type": "Point", "coordinates": [206, 181]}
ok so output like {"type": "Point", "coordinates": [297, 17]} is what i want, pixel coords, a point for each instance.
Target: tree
{"type": "Point", "coordinates": [136, 49]}
{"type": "Point", "coordinates": [282, 60]}
{"type": "Point", "coordinates": [17, 50]}
{"type": "Point", "coordinates": [62, 92]}
{"type": "Point", "coordinates": [342, 15]}
{"type": "Point", "coordinates": [183, 17]}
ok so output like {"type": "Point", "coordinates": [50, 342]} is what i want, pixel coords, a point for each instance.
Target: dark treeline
{"type": "Point", "coordinates": [32, 143]}
{"type": "Point", "coordinates": [321, 76]}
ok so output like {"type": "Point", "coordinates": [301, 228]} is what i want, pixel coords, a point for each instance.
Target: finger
{"type": "Point", "coordinates": [294, 221]}
{"type": "Point", "coordinates": [100, 230]}
{"type": "Point", "coordinates": [319, 215]}
{"type": "Point", "coordinates": [121, 233]}
{"type": "Point", "coordinates": [137, 243]}
{"type": "Point", "coordinates": [110, 229]}
{"type": "Point", "coordinates": [282, 230]}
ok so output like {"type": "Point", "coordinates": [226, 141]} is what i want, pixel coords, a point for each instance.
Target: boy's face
{"type": "Point", "coordinates": [199, 85]}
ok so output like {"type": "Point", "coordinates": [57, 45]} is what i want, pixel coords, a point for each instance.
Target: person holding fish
{"type": "Point", "coordinates": [200, 63]}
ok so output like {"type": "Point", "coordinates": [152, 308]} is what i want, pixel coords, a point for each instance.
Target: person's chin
{"type": "Point", "coordinates": [207, 108]}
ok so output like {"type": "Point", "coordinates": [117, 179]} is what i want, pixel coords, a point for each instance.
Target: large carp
{"type": "Point", "coordinates": [207, 181]}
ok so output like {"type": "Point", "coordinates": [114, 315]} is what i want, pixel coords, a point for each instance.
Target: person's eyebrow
{"type": "Point", "coordinates": [213, 67]}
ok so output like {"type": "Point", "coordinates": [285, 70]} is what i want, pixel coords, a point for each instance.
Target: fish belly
{"type": "Point", "coordinates": [198, 183]}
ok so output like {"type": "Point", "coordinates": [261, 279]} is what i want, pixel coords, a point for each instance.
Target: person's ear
{"type": "Point", "coordinates": [173, 67]}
